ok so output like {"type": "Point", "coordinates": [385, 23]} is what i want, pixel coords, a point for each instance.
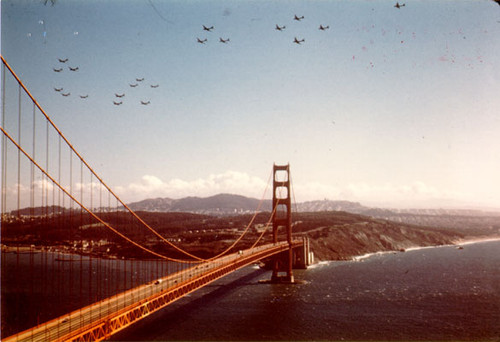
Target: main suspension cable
{"type": "Point", "coordinates": [90, 169]}
{"type": "Point", "coordinates": [84, 163]}
{"type": "Point", "coordinates": [84, 207]}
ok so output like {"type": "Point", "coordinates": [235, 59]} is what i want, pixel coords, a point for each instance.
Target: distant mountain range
{"type": "Point", "coordinates": [229, 204]}
{"type": "Point", "coordinates": [221, 205]}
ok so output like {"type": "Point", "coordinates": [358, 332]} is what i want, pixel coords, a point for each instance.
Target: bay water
{"type": "Point", "coordinates": [440, 294]}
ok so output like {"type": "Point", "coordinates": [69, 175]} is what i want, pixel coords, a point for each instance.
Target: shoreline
{"type": "Point", "coordinates": [54, 249]}
{"type": "Point", "coordinates": [457, 243]}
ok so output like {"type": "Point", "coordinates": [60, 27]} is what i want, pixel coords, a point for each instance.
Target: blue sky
{"type": "Point", "coordinates": [389, 107]}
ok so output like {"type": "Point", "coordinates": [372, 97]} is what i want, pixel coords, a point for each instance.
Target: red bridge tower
{"type": "Point", "coordinates": [282, 217]}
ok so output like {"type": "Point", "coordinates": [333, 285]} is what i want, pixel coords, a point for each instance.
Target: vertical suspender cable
{"type": "Point", "coordinates": [79, 230]}
{"type": "Point", "coordinates": [62, 215]}
{"type": "Point", "coordinates": [18, 188]}
{"type": "Point", "coordinates": [45, 179]}
{"type": "Point", "coordinates": [4, 148]}
{"type": "Point", "coordinates": [32, 207]}
{"type": "Point", "coordinates": [32, 185]}
{"type": "Point", "coordinates": [71, 230]}
{"type": "Point", "coordinates": [19, 158]}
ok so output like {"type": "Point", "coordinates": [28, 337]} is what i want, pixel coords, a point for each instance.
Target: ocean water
{"type": "Point", "coordinates": [439, 294]}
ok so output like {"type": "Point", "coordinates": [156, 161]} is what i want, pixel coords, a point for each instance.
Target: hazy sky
{"type": "Point", "coordinates": [389, 107]}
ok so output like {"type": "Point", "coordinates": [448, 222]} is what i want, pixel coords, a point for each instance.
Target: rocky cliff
{"type": "Point", "coordinates": [346, 241]}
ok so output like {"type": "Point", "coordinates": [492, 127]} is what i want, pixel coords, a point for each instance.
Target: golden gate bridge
{"type": "Point", "coordinates": [47, 183]}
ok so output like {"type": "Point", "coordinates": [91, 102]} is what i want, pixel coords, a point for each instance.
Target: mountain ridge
{"type": "Point", "coordinates": [232, 204]}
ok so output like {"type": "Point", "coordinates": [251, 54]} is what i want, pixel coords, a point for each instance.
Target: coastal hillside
{"type": "Point", "coordinates": [345, 242]}
{"type": "Point", "coordinates": [342, 235]}
{"type": "Point", "coordinates": [465, 220]}
{"type": "Point", "coordinates": [334, 235]}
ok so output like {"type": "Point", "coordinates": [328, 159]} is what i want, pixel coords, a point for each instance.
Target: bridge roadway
{"type": "Point", "coordinates": [102, 319]}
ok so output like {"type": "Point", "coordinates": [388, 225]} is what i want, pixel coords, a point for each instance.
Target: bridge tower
{"type": "Point", "coordinates": [282, 217]}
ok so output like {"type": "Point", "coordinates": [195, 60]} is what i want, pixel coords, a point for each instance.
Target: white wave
{"type": "Point", "coordinates": [368, 255]}
{"type": "Point", "coordinates": [320, 264]}
{"type": "Point", "coordinates": [470, 242]}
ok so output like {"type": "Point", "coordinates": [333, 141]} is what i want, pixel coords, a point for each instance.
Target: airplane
{"type": "Point", "coordinates": [84, 96]}
{"type": "Point", "coordinates": [133, 85]}
{"type": "Point", "coordinates": [201, 41]}
{"type": "Point", "coordinates": [65, 94]}
{"type": "Point", "coordinates": [58, 89]}
{"type": "Point", "coordinates": [63, 60]}
{"type": "Point", "coordinates": [397, 5]}
{"type": "Point", "coordinates": [155, 86]}
{"type": "Point", "coordinates": [224, 40]}
{"type": "Point", "coordinates": [73, 69]}
{"type": "Point", "coordinates": [145, 102]}
{"type": "Point", "coordinates": [57, 70]}
{"type": "Point", "coordinates": [322, 28]}
{"type": "Point", "coordinates": [278, 28]}
{"type": "Point", "coordinates": [119, 95]}
{"type": "Point", "coordinates": [209, 29]}
{"type": "Point", "coordinates": [298, 18]}
{"type": "Point", "coordinates": [139, 79]}
{"type": "Point", "coordinates": [117, 103]}
{"type": "Point", "coordinates": [296, 41]}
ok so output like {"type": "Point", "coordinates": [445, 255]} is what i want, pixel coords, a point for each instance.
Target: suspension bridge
{"type": "Point", "coordinates": [58, 210]}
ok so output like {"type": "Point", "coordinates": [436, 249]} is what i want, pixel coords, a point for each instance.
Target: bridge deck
{"type": "Point", "coordinates": [102, 319]}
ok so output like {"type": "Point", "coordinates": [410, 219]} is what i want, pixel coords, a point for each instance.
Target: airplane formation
{"type": "Point", "coordinates": [277, 28]}
{"type": "Point", "coordinates": [60, 69]}
{"type": "Point", "coordinates": [120, 96]}
{"type": "Point", "coordinates": [321, 26]}
{"type": "Point", "coordinates": [210, 29]}
{"type": "Point", "coordinates": [138, 82]}
{"type": "Point", "coordinates": [297, 18]}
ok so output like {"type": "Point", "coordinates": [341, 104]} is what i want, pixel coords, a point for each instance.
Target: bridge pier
{"type": "Point", "coordinates": [303, 257]}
